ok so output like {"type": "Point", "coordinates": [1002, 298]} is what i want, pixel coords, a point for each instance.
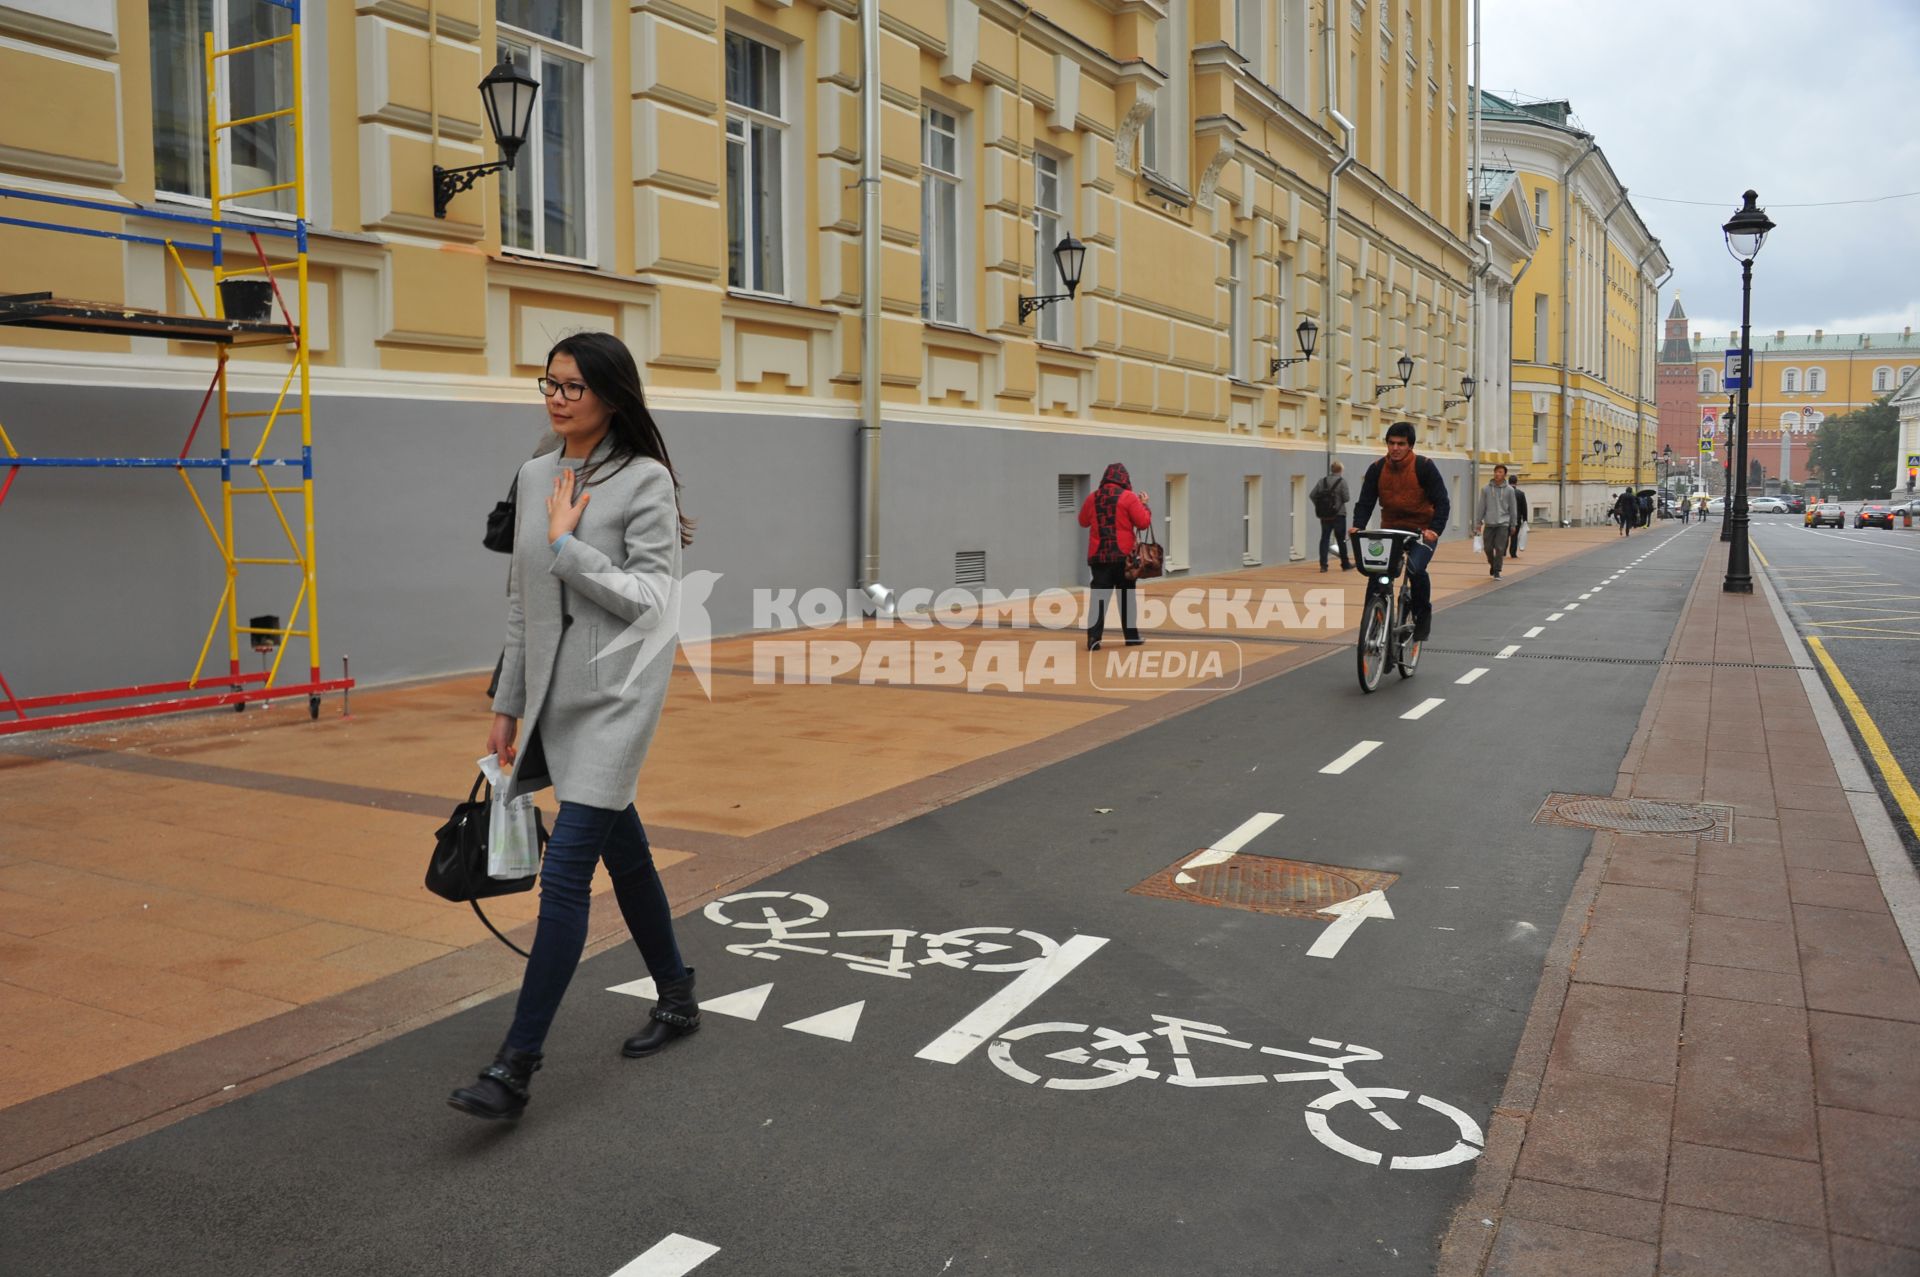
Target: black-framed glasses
{"type": "Point", "coordinates": [567, 390]}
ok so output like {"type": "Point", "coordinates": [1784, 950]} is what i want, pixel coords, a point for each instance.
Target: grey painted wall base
{"type": "Point", "coordinates": [109, 577]}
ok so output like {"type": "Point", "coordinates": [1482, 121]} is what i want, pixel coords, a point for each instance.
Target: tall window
{"type": "Point", "coordinates": [1250, 537]}
{"type": "Point", "coordinates": [255, 83]}
{"type": "Point", "coordinates": [940, 183]}
{"type": "Point", "coordinates": [1816, 379]}
{"type": "Point", "coordinates": [1882, 379]}
{"type": "Point", "coordinates": [1049, 227]}
{"type": "Point", "coordinates": [1790, 380]}
{"type": "Point", "coordinates": [543, 200]}
{"type": "Point", "coordinates": [1164, 139]}
{"type": "Point", "coordinates": [1542, 204]}
{"type": "Point", "coordinates": [1285, 343]}
{"type": "Point", "coordinates": [1707, 380]}
{"type": "Point", "coordinates": [1291, 76]}
{"type": "Point", "coordinates": [756, 166]}
{"type": "Point", "coordinates": [1540, 353]}
{"type": "Point", "coordinates": [1906, 371]}
{"type": "Point", "coordinates": [1237, 308]}
{"type": "Point", "coordinates": [1249, 31]}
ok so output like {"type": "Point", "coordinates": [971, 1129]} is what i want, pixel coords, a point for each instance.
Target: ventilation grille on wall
{"type": "Point", "coordinates": [970, 567]}
{"type": "Point", "coordinates": [1069, 494]}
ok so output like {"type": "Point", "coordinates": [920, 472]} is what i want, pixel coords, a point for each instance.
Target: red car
{"type": "Point", "coordinates": [1874, 514]}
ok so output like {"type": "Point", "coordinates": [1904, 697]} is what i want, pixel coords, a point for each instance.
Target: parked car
{"type": "Point", "coordinates": [1717, 506]}
{"type": "Point", "coordinates": [1826, 512]}
{"type": "Point", "coordinates": [1796, 504]}
{"type": "Point", "coordinates": [1875, 514]}
{"type": "Point", "coordinates": [1767, 505]}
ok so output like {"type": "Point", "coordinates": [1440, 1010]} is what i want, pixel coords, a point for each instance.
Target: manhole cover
{"type": "Point", "coordinates": [1262, 884]}
{"type": "Point", "coordinates": [1710, 821]}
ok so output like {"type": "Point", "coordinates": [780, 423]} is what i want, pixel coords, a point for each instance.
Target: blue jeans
{"type": "Point", "coordinates": [1418, 556]}
{"type": "Point", "coordinates": [584, 836]}
{"type": "Point", "coordinates": [1333, 531]}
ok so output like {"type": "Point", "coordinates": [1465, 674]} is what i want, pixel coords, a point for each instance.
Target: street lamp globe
{"type": "Point", "coordinates": [507, 93]}
{"type": "Point", "coordinates": [1747, 229]}
{"type": "Point", "coordinates": [1405, 367]}
{"type": "Point", "coordinates": [1308, 335]}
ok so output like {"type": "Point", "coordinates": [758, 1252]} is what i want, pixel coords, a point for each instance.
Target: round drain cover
{"type": "Point", "coordinates": [1257, 882]}
{"type": "Point", "coordinates": [1637, 816]}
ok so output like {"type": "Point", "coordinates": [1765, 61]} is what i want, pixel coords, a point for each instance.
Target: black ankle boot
{"type": "Point", "coordinates": [675, 1015]}
{"type": "Point", "coordinates": [501, 1091]}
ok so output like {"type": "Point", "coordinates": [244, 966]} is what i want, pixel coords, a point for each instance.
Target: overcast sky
{"type": "Point", "coordinates": [1804, 102]}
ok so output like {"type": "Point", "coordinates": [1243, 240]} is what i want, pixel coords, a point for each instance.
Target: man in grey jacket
{"type": "Point", "coordinates": [1330, 502]}
{"type": "Point", "coordinates": [1495, 519]}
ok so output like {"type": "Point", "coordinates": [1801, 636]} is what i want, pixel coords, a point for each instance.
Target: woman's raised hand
{"type": "Point", "coordinates": [563, 515]}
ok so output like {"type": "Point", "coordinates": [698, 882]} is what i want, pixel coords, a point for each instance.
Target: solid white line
{"type": "Point", "coordinates": [993, 1015]}
{"type": "Point", "coordinates": [1506, 651]}
{"type": "Point", "coordinates": [1425, 707]}
{"type": "Point", "coordinates": [1349, 758]}
{"type": "Point", "coordinates": [671, 1256]}
{"type": "Point", "coordinates": [1556, 616]}
{"type": "Point", "coordinates": [1535, 632]}
{"type": "Point", "coordinates": [1470, 675]}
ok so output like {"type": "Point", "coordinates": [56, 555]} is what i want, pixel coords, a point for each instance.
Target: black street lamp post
{"type": "Point", "coordinates": [1746, 231]}
{"type": "Point", "coordinates": [1726, 475]}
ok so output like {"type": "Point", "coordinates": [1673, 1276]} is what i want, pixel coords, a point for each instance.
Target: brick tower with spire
{"type": "Point", "coordinates": [1678, 393]}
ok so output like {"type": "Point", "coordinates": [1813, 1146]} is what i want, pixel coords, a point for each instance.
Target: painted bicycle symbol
{"type": "Point", "coordinates": [1098, 1058]}
{"type": "Point", "coordinates": [789, 918]}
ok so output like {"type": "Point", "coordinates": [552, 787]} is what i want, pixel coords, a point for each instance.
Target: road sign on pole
{"type": "Point", "coordinates": [1735, 376]}
{"type": "Point", "coordinates": [1706, 447]}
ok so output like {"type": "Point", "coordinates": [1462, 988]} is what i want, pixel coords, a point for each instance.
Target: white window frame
{"type": "Point", "coordinates": [790, 195]}
{"type": "Point", "coordinates": [222, 20]}
{"type": "Point", "coordinates": [1816, 379]}
{"type": "Point", "coordinates": [1900, 378]}
{"type": "Point", "coordinates": [1881, 376]}
{"type": "Point", "coordinates": [1290, 53]}
{"type": "Point", "coordinates": [960, 289]}
{"type": "Point", "coordinates": [1174, 519]}
{"type": "Point", "coordinates": [1052, 324]}
{"type": "Point", "coordinates": [1790, 381]}
{"type": "Point", "coordinates": [1239, 356]}
{"type": "Point", "coordinates": [1542, 208]}
{"type": "Point", "coordinates": [1709, 382]}
{"type": "Point", "coordinates": [1164, 145]}
{"type": "Point", "coordinates": [1285, 344]}
{"type": "Point", "coordinates": [533, 156]}
{"type": "Point", "coordinates": [1251, 532]}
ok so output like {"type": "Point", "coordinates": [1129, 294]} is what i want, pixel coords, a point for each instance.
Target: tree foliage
{"type": "Point", "coordinates": [1853, 453]}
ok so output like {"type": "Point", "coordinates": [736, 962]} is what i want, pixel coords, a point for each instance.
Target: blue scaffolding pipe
{"type": "Point", "coordinates": [297, 231]}
{"type": "Point", "coordinates": [153, 463]}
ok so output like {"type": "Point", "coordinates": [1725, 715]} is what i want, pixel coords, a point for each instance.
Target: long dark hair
{"type": "Point", "coordinates": [607, 366]}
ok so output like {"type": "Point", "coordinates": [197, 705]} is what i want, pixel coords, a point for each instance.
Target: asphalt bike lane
{"type": "Point", "coordinates": [1005, 1037]}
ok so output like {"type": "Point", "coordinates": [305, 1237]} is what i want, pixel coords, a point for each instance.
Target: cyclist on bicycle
{"type": "Point", "coordinates": [1412, 498]}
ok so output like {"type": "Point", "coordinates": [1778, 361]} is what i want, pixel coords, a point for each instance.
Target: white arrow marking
{"type": "Point", "coordinates": [671, 1256]}
{"type": "Point", "coordinates": [641, 988]}
{"type": "Point", "coordinates": [745, 1004]}
{"type": "Point", "coordinates": [1349, 914]}
{"type": "Point", "coordinates": [1349, 758]}
{"type": "Point", "coordinates": [1425, 707]}
{"type": "Point", "coordinates": [837, 1024]}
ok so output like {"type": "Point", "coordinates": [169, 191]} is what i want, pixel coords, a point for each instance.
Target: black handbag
{"type": "Point", "coordinates": [458, 869]}
{"type": "Point", "coordinates": [501, 520]}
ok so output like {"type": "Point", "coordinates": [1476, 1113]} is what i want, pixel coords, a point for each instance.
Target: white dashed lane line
{"type": "Point", "coordinates": [1471, 675]}
{"type": "Point", "coordinates": [673, 1256]}
{"type": "Point", "coordinates": [1506, 651]}
{"type": "Point", "coordinates": [1349, 758]}
{"type": "Point", "coordinates": [1556, 616]}
{"type": "Point", "coordinates": [1425, 707]}
{"type": "Point", "coordinates": [1535, 632]}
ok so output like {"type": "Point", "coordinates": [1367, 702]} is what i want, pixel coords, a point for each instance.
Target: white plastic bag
{"type": "Point", "coordinates": [1521, 544]}
{"type": "Point", "coordinates": [513, 832]}
{"type": "Point", "coordinates": [1478, 546]}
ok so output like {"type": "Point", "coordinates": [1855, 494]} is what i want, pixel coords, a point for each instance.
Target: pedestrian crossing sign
{"type": "Point", "coordinates": [1706, 447]}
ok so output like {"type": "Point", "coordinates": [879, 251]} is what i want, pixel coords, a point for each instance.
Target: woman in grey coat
{"type": "Point", "coordinates": [591, 617]}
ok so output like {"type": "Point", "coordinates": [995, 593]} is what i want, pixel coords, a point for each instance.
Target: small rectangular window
{"type": "Point", "coordinates": [1542, 202]}
{"type": "Point", "coordinates": [1237, 359]}
{"type": "Point", "coordinates": [1540, 352]}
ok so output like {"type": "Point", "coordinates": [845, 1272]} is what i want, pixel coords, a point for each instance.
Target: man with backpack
{"type": "Point", "coordinates": [1329, 497]}
{"type": "Point", "coordinates": [1412, 497]}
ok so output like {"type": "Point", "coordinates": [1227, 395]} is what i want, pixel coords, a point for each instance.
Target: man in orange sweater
{"type": "Point", "coordinates": [1412, 497]}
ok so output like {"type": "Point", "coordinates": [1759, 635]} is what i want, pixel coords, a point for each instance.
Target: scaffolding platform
{"type": "Point", "coordinates": [44, 310]}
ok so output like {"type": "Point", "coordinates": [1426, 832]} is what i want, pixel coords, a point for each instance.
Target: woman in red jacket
{"type": "Point", "coordinates": [1111, 513]}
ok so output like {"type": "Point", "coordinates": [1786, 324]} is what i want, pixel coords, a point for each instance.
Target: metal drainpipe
{"type": "Point", "coordinates": [1328, 306]}
{"type": "Point", "coordinates": [869, 475]}
{"type": "Point", "coordinates": [1476, 366]}
{"type": "Point", "coordinates": [1640, 372]}
{"type": "Point", "coordinates": [1566, 320]}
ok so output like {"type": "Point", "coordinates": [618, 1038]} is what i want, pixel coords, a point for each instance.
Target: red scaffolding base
{"type": "Point", "coordinates": [239, 695]}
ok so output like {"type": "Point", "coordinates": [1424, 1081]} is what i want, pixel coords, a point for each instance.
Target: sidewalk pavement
{"type": "Point", "coordinates": [1720, 1071]}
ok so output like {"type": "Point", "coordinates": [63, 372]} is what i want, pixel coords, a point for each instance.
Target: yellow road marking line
{"type": "Point", "coordinates": [1897, 783]}
{"type": "Point", "coordinates": [1875, 638]}
{"type": "Point", "coordinates": [1763, 558]}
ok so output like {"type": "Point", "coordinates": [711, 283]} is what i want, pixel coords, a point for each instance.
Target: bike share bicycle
{"type": "Point", "coordinates": [1386, 618]}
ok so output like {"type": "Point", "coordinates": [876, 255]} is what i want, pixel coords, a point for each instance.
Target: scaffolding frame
{"type": "Point", "coordinates": [42, 310]}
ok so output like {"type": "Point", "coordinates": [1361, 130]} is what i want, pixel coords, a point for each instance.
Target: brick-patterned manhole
{"type": "Point", "coordinates": [1710, 821]}
{"type": "Point", "coordinates": [1262, 884]}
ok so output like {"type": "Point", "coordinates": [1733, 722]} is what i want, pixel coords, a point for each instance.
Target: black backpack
{"type": "Point", "coordinates": [1325, 503]}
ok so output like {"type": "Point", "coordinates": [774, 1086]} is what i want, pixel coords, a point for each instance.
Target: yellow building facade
{"type": "Point", "coordinates": [693, 183]}
{"type": "Point", "coordinates": [1585, 418]}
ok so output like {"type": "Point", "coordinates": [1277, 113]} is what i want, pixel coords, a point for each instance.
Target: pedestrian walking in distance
{"type": "Point", "coordinates": [1494, 522]}
{"type": "Point", "coordinates": [596, 550]}
{"type": "Point", "coordinates": [1330, 502]}
{"type": "Point", "coordinates": [1112, 513]}
{"type": "Point", "coordinates": [1519, 521]}
{"type": "Point", "coordinates": [1626, 508]}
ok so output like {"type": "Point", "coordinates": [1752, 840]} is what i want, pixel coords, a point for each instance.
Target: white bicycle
{"type": "Point", "coordinates": [1098, 1058]}
{"type": "Point", "coordinates": [790, 920]}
